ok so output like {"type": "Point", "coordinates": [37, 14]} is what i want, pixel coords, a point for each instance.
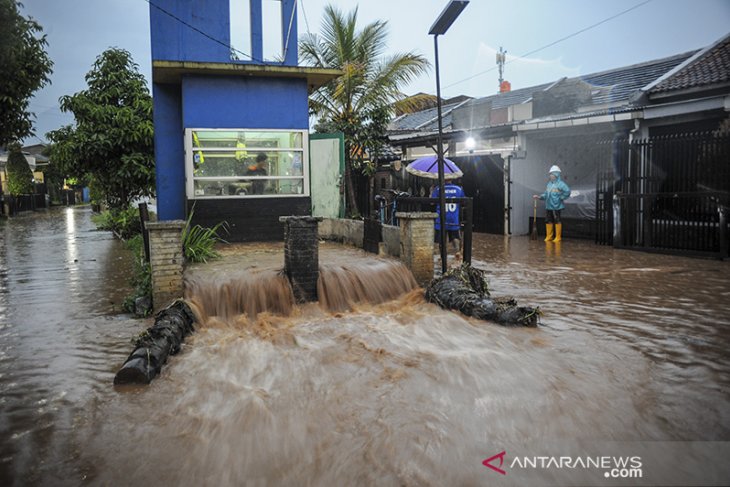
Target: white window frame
{"type": "Point", "coordinates": [190, 178]}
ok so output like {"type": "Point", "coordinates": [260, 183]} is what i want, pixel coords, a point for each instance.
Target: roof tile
{"type": "Point", "coordinates": [710, 68]}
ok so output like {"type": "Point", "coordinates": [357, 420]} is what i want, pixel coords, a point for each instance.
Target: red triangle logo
{"type": "Point", "coordinates": [487, 462]}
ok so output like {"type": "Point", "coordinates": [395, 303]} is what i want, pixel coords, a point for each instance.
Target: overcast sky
{"type": "Point", "coordinates": [79, 30]}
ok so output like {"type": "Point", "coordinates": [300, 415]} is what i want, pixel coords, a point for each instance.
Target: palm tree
{"type": "Point", "coordinates": [371, 84]}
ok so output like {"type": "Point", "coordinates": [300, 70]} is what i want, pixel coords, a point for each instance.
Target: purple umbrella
{"type": "Point", "coordinates": [427, 167]}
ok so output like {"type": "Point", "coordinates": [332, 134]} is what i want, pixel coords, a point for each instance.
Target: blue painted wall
{"type": "Point", "coordinates": [169, 152]}
{"type": "Point", "coordinates": [209, 36]}
{"type": "Point", "coordinates": [187, 30]}
{"type": "Point", "coordinates": [227, 102]}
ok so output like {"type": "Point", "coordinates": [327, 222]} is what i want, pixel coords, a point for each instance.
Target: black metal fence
{"type": "Point", "coordinates": [668, 194]}
{"type": "Point", "coordinates": [24, 202]}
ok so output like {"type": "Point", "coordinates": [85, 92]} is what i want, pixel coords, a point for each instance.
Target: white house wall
{"type": "Point", "coordinates": [578, 157]}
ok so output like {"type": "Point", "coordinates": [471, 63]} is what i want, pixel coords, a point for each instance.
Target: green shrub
{"type": "Point", "coordinates": [20, 177]}
{"type": "Point", "coordinates": [103, 220]}
{"type": "Point", "coordinates": [199, 243]}
{"type": "Point", "coordinates": [96, 192]}
{"type": "Point", "coordinates": [124, 223]}
{"type": "Point", "coordinates": [142, 277]}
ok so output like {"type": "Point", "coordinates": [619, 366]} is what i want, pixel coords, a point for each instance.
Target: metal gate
{"type": "Point", "coordinates": [670, 194]}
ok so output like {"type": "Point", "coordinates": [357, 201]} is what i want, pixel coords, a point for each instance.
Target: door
{"type": "Point", "coordinates": [327, 164]}
{"type": "Point", "coordinates": [484, 182]}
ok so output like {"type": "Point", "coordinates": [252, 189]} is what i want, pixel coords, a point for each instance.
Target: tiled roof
{"type": "Point", "coordinates": [710, 67]}
{"type": "Point", "coordinates": [412, 121]}
{"type": "Point", "coordinates": [434, 124]}
{"type": "Point", "coordinates": [515, 97]}
{"type": "Point", "coordinates": [617, 85]}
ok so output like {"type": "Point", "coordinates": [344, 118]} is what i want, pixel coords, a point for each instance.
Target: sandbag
{"type": "Point", "coordinates": [153, 346]}
{"type": "Point", "coordinates": [465, 289]}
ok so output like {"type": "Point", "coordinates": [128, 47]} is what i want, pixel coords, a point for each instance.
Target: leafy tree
{"type": "Point", "coordinates": [360, 102]}
{"type": "Point", "coordinates": [26, 68]}
{"type": "Point", "coordinates": [53, 177]}
{"type": "Point", "coordinates": [20, 177]}
{"type": "Point", "coordinates": [112, 139]}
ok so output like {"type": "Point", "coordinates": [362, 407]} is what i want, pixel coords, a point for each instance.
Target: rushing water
{"type": "Point", "coordinates": [633, 347]}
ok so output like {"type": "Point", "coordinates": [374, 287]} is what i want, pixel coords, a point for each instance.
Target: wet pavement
{"type": "Point", "coordinates": [633, 347]}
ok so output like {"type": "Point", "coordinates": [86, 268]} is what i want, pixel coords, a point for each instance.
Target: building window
{"type": "Point", "coordinates": [240, 29]}
{"type": "Point", "coordinates": [273, 30]}
{"type": "Point", "coordinates": [242, 163]}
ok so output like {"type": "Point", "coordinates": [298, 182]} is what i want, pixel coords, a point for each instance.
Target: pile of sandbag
{"type": "Point", "coordinates": [465, 289]}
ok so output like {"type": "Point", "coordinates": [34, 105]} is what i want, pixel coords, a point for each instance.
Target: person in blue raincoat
{"type": "Point", "coordinates": [555, 193]}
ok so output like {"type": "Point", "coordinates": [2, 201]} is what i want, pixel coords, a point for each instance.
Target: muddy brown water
{"type": "Point", "coordinates": [633, 347]}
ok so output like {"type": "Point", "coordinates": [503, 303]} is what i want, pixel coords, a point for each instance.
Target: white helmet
{"type": "Point", "coordinates": [555, 168]}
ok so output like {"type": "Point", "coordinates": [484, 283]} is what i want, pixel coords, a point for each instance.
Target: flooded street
{"type": "Point", "coordinates": [61, 339]}
{"type": "Point", "coordinates": [672, 312]}
{"type": "Point", "coordinates": [633, 347]}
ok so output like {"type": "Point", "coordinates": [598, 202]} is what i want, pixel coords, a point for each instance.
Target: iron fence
{"type": "Point", "coordinates": [666, 193]}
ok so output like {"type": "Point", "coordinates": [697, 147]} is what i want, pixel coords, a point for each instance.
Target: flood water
{"type": "Point", "coordinates": [61, 339]}
{"type": "Point", "coordinates": [633, 347]}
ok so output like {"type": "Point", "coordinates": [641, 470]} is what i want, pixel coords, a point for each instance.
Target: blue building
{"type": "Point", "coordinates": [231, 123]}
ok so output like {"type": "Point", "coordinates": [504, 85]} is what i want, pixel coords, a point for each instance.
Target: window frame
{"type": "Point", "coordinates": [190, 178]}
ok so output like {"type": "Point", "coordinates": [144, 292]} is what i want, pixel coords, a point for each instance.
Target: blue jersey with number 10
{"type": "Point", "coordinates": [452, 209]}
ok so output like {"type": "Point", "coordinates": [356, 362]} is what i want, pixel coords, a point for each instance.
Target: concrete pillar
{"type": "Point", "coordinates": [166, 261]}
{"type": "Point", "coordinates": [416, 243]}
{"type": "Point", "coordinates": [301, 255]}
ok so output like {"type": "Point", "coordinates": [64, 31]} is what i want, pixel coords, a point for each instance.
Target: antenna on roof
{"type": "Point", "coordinates": [504, 86]}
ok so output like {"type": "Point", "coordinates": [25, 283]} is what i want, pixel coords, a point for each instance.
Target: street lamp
{"type": "Point", "coordinates": [442, 24]}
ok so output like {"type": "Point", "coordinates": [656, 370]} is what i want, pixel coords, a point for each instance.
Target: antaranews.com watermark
{"type": "Point", "coordinates": [612, 467]}
{"type": "Point", "coordinates": [616, 463]}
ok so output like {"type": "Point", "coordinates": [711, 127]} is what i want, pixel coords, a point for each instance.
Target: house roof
{"type": "Point", "coordinates": [416, 120]}
{"type": "Point", "coordinates": [708, 67]}
{"type": "Point", "coordinates": [613, 88]}
{"type": "Point", "coordinates": [617, 85]}
{"type": "Point", "coordinates": [516, 97]}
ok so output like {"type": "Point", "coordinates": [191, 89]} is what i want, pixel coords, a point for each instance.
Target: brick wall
{"type": "Point", "coordinates": [301, 255]}
{"type": "Point", "coordinates": [166, 261]}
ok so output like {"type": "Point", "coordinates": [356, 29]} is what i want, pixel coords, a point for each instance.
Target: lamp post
{"type": "Point", "coordinates": [439, 27]}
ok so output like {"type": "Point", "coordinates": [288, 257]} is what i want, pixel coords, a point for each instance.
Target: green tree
{"type": "Point", "coordinates": [20, 177]}
{"type": "Point", "coordinates": [53, 177]}
{"type": "Point", "coordinates": [112, 139]}
{"type": "Point", "coordinates": [26, 68]}
{"type": "Point", "coordinates": [360, 102]}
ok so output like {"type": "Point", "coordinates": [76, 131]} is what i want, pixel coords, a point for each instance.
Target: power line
{"type": "Point", "coordinates": [40, 140]}
{"type": "Point", "coordinates": [205, 34]}
{"type": "Point", "coordinates": [552, 43]}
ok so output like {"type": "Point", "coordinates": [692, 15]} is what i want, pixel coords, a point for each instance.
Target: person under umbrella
{"type": "Point", "coordinates": [427, 167]}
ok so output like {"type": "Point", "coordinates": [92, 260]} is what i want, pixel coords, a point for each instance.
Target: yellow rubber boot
{"type": "Point", "coordinates": [548, 232]}
{"type": "Point", "coordinates": [558, 232]}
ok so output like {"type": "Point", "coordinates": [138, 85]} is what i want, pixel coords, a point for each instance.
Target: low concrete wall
{"type": "Point", "coordinates": [352, 232]}
{"type": "Point", "coordinates": [391, 241]}
{"type": "Point", "coordinates": [342, 230]}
